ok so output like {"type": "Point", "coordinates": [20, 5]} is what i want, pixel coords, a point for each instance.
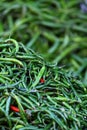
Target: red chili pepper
{"type": "Point", "coordinates": [16, 109]}
{"type": "Point", "coordinates": [42, 80]}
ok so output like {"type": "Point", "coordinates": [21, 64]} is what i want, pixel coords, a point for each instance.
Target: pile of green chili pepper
{"type": "Point", "coordinates": [37, 95]}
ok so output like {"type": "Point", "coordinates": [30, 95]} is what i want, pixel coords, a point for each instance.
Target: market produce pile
{"type": "Point", "coordinates": [59, 102]}
{"type": "Point", "coordinates": [43, 65]}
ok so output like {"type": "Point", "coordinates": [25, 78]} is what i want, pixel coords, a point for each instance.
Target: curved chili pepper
{"type": "Point", "coordinates": [15, 109]}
